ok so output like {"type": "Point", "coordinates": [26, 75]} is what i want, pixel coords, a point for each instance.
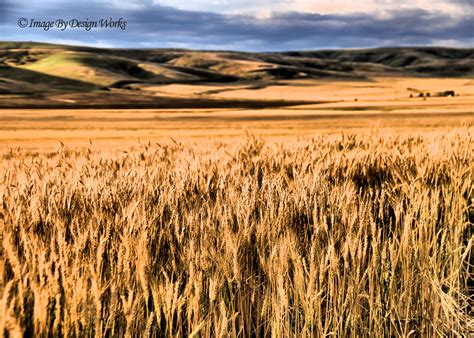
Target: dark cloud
{"type": "Point", "coordinates": [465, 2]}
{"type": "Point", "coordinates": [6, 7]}
{"type": "Point", "coordinates": [160, 26]}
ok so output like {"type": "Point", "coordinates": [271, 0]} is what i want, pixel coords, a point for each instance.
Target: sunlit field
{"type": "Point", "coordinates": [356, 233]}
{"type": "Point", "coordinates": [344, 106]}
{"type": "Point", "coordinates": [348, 214]}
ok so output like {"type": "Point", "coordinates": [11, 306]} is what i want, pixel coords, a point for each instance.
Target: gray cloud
{"type": "Point", "coordinates": [161, 26]}
{"type": "Point", "coordinates": [6, 7]}
{"type": "Point", "coordinates": [465, 2]}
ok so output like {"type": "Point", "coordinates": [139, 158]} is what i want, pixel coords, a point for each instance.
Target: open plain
{"type": "Point", "coordinates": [344, 106]}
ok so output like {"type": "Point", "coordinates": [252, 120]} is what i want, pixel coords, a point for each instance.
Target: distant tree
{"type": "Point", "coordinates": [449, 93]}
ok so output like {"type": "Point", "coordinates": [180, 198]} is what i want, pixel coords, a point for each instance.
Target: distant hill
{"type": "Point", "coordinates": [41, 69]}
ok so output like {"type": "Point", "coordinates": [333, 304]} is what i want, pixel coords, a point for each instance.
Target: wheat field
{"type": "Point", "coordinates": [364, 234]}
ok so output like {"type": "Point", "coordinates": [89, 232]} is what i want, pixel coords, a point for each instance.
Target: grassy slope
{"type": "Point", "coordinates": [54, 66]}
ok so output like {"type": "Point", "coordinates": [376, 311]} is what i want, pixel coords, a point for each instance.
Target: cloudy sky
{"type": "Point", "coordinates": [256, 25]}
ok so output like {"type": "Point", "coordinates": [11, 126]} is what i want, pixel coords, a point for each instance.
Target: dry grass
{"type": "Point", "coordinates": [361, 235]}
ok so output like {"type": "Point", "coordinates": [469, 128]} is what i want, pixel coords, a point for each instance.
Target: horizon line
{"type": "Point", "coordinates": [241, 51]}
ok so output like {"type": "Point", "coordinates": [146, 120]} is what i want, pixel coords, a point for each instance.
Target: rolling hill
{"type": "Point", "coordinates": [34, 74]}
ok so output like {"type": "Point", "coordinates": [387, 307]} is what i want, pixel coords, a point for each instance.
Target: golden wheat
{"type": "Point", "coordinates": [361, 235]}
